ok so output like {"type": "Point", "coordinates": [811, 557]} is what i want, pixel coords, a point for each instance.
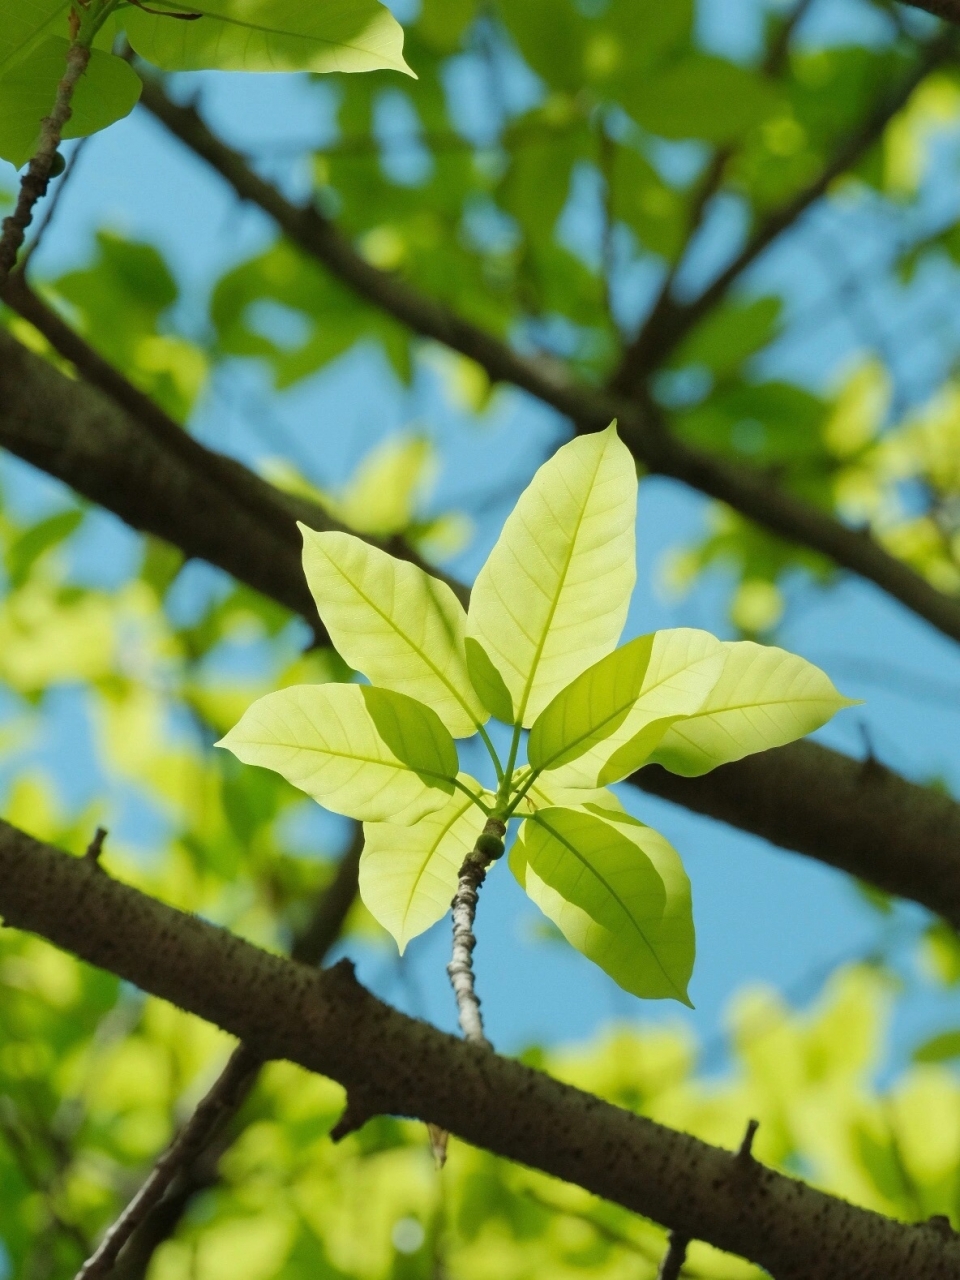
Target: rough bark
{"type": "Point", "coordinates": [328, 1023]}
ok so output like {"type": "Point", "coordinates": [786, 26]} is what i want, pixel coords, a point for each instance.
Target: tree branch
{"type": "Point", "coordinates": [328, 1023]}
{"type": "Point", "coordinates": [743, 488]}
{"type": "Point", "coordinates": [870, 823]}
{"type": "Point", "coordinates": [672, 321]}
{"type": "Point", "coordinates": [189, 1148]}
{"type": "Point", "coordinates": [33, 185]}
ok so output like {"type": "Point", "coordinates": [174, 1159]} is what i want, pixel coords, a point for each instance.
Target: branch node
{"type": "Point", "coordinates": [940, 1223]}
{"type": "Point", "coordinates": [361, 1107]}
{"type": "Point", "coordinates": [745, 1156]}
{"type": "Point", "coordinates": [95, 847]}
{"type": "Point", "coordinates": [674, 1258]}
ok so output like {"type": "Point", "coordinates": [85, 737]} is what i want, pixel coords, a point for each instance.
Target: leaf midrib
{"type": "Point", "coordinates": [254, 26]}
{"type": "Point", "coordinates": [560, 585]}
{"type": "Point", "coordinates": [396, 763]}
{"type": "Point", "coordinates": [616, 897]}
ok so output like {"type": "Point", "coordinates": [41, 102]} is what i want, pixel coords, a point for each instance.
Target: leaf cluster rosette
{"type": "Point", "coordinates": [537, 650]}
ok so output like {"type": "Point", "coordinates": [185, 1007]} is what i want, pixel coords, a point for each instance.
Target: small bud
{"type": "Point", "coordinates": [490, 846]}
{"type": "Point", "coordinates": [58, 165]}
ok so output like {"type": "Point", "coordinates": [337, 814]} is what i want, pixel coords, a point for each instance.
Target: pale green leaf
{"type": "Point", "coordinates": [408, 875]}
{"type": "Point", "coordinates": [369, 754]}
{"type": "Point", "coordinates": [488, 682]}
{"type": "Point", "coordinates": [380, 498]}
{"type": "Point", "coordinates": [107, 91]}
{"type": "Point", "coordinates": [552, 598]}
{"type": "Point", "coordinates": [268, 35]}
{"type": "Point", "coordinates": [398, 625]}
{"type": "Point", "coordinates": [765, 697]}
{"type": "Point", "coordinates": [597, 875]}
{"type": "Point", "coordinates": [681, 667]}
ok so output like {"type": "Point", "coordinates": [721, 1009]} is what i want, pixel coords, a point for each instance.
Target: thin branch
{"type": "Point", "coordinates": [775, 58]}
{"type": "Point", "coordinates": [33, 184]}
{"type": "Point", "coordinates": [327, 1022]}
{"type": "Point", "coordinates": [654, 343]}
{"type": "Point", "coordinates": [227, 1094]}
{"type": "Point", "coordinates": [52, 206]}
{"type": "Point", "coordinates": [674, 1258]}
{"type": "Point", "coordinates": [460, 969]}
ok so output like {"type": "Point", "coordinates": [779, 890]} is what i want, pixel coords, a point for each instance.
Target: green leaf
{"type": "Point", "coordinates": [398, 625]}
{"type": "Point", "coordinates": [366, 753]}
{"type": "Point", "coordinates": [488, 682]}
{"type": "Point", "coordinates": [25, 25]}
{"type": "Point", "coordinates": [553, 595]}
{"type": "Point", "coordinates": [408, 874]}
{"type": "Point", "coordinates": [700, 96]}
{"type": "Point", "coordinates": [681, 666]}
{"type": "Point", "coordinates": [269, 35]}
{"type": "Point", "coordinates": [107, 91]}
{"type": "Point", "coordinates": [616, 890]}
{"type": "Point", "coordinates": [939, 1048]}
{"type": "Point", "coordinates": [765, 697]}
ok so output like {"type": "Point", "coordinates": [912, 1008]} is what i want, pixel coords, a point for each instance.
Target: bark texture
{"type": "Point", "coordinates": [328, 1023]}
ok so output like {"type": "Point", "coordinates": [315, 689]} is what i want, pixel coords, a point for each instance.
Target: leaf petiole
{"type": "Point", "coordinates": [485, 808]}
{"type": "Point", "coordinates": [485, 737]}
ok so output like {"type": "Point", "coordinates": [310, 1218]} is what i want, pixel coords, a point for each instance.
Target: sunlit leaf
{"type": "Point", "coordinates": [765, 697]}
{"type": "Point", "coordinates": [408, 874]}
{"type": "Point", "coordinates": [596, 875]}
{"type": "Point", "coordinates": [397, 624]}
{"type": "Point", "coordinates": [552, 597]}
{"type": "Point", "coordinates": [682, 666]}
{"type": "Point", "coordinates": [367, 753]}
{"type": "Point", "coordinates": [268, 35]}
{"type": "Point", "coordinates": [24, 25]}
{"type": "Point", "coordinates": [107, 91]}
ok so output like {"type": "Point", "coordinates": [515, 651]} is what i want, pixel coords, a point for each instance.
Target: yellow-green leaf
{"type": "Point", "coordinates": [268, 35]}
{"type": "Point", "coordinates": [107, 91]}
{"type": "Point", "coordinates": [765, 697]}
{"type": "Point", "coordinates": [408, 875]}
{"type": "Point", "coordinates": [398, 625]}
{"type": "Point", "coordinates": [681, 667]}
{"type": "Point", "coordinates": [552, 598]}
{"type": "Point", "coordinates": [367, 753]}
{"type": "Point", "coordinates": [597, 875]}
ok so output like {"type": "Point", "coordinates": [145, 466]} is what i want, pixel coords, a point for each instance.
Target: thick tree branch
{"type": "Point", "coordinates": [869, 822]}
{"type": "Point", "coordinates": [749, 491]}
{"type": "Point", "coordinates": [330, 1024]}
{"type": "Point", "coordinates": [671, 321]}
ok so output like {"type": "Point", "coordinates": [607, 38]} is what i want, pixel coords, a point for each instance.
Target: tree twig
{"type": "Point", "coordinates": [460, 969]}
{"type": "Point", "coordinates": [674, 1258]}
{"type": "Point", "coordinates": [33, 185]}
{"type": "Point", "coordinates": [227, 1094]}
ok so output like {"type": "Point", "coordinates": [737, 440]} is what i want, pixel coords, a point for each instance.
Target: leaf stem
{"type": "Point", "coordinates": [521, 792]}
{"type": "Point", "coordinates": [476, 799]}
{"type": "Point", "coordinates": [485, 737]}
{"type": "Point", "coordinates": [489, 846]}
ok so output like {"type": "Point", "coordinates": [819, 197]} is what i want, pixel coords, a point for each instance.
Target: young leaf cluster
{"type": "Point", "coordinates": [537, 650]}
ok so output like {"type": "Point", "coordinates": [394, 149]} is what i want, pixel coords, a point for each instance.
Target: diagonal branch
{"type": "Point", "coordinates": [328, 1023]}
{"type": "Point", "coordinates": [671, 321]}
{"type": "Point", "coordinates": [747, 490]}
{"type": "Point", "coordinates": [864, 820]}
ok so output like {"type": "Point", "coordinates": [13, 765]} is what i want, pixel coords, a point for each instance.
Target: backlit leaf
{"type": "Point", "coordinates": [400, 626]}
{"type": "Point", "coordinates": [268, 35]}
{"type": "Point", "coordinates": [684, 664]}
{"type": "Point", "coordinates": [597, 876]}
{"type": "Point", "coordinates": [765, 697]}
{"type": "Point", "coordinates": [366, 753]}
{"type": "Point", "coordinates": [553, 595]}
{"type": "Point", "coordinates": [408, 874]}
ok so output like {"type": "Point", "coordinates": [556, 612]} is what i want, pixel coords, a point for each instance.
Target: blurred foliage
{"type": "Point", "coordinates": [578, 170]}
